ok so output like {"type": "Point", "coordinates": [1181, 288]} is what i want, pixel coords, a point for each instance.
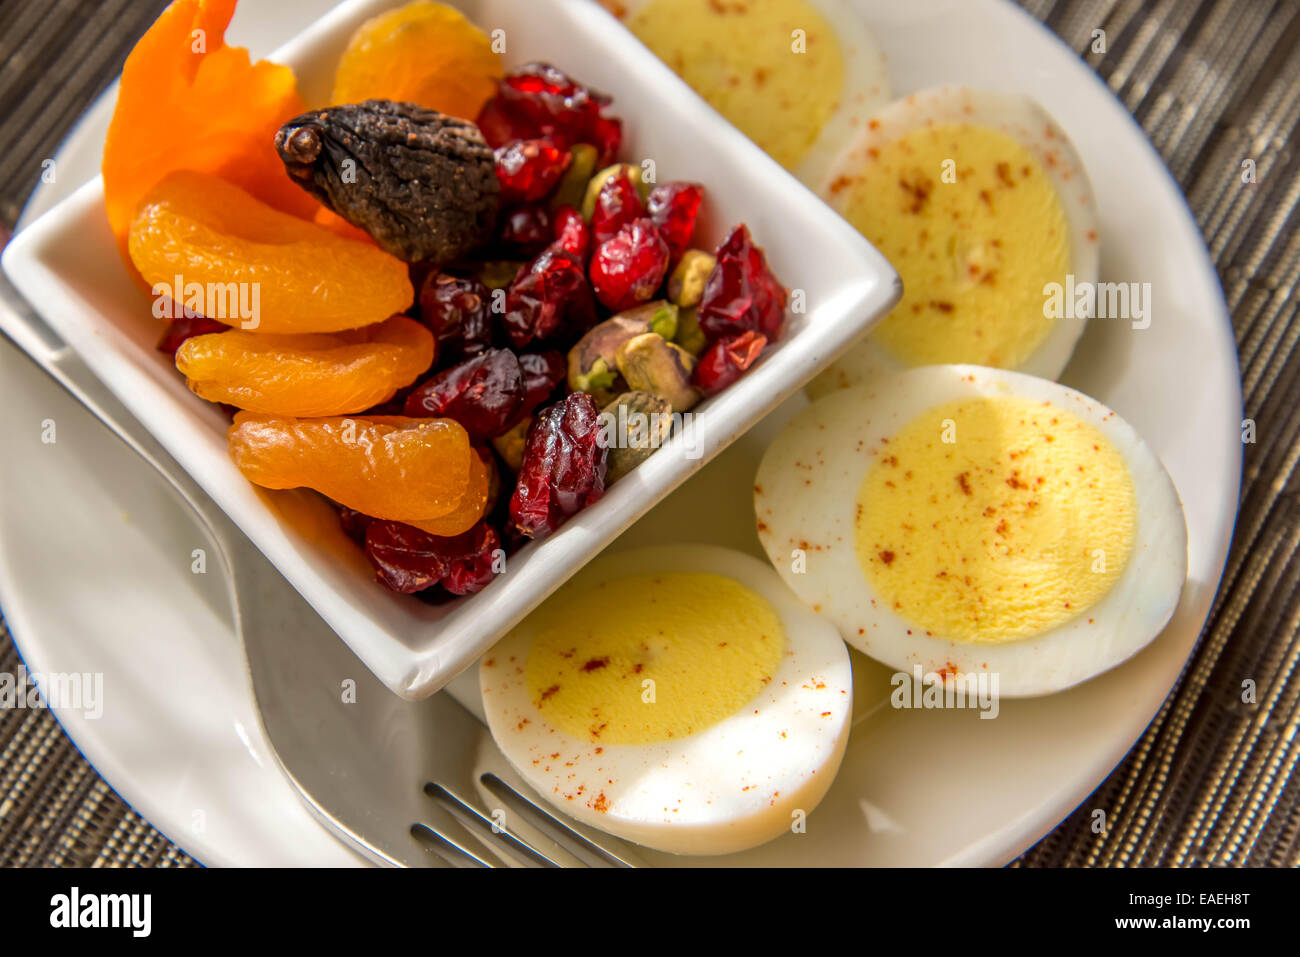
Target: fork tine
{"type": "Point", "coordinates": [442, 848]}
{"type": "Point", "coordinates": [499, 839]}
{"type": "Point", "coordinates": [461, 834]}
{"type": "Point", "coordinates": [592, 851]}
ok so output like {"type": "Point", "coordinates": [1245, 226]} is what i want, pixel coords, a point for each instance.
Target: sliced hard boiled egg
{"type": "Point", "coordinates": [679, 697]}
{"type": "Point", "coordinates": [798, 77]}
{"type": "Point", "coordinates": [970, 520]}
{"type": "Point", "coordinates": [982, 205]}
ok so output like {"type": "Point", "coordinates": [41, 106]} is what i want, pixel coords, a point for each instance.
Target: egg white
{"type": "Point", "coordinates": [1022, 119]}
{"type": "Point", "coordinates": [731, 786]}
{"type": "Point", "coordinates": [837, 435]}
{"type": "Point", "coordinates": [866, 90]}
{"type": "Point", "coordinates": [866, 85]}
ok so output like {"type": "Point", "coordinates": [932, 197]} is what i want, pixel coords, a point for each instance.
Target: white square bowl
{"type": "Point", "coordinates": [67, 265]}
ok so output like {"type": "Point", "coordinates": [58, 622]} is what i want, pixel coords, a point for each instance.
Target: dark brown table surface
{"type": "Point", "coordinates": [1212, 82]}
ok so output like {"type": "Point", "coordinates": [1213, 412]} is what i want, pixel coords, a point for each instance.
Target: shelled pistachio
{"type": "Point", "coordinates": [637, 424]}
{"type": "Point", "coordinates": [650, 363]}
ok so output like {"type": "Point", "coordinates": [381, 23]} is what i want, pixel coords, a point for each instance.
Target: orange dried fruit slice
{"type": "Point", "coordinates": [188, 101]}
{"type": "Point", "coordinates": [200, 232]}
{"type": "Point", "coordinates": [386, 466]}
{"type": "Point", "coordinates": [424, 53]}
{"type": "Point", "coordinates": [468, 512]}
{"type": "Point", "coordinates": [308, 374]}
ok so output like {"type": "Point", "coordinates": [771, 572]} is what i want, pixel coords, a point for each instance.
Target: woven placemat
{"type": "Point", "coordinates": [1214, 83]}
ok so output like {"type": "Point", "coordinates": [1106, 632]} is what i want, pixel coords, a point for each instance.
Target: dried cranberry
{"type": "Point", "coordinates": [187, 327]}
{"type": "Point", "coordinates": [741, 293]}
{"type": "Point", "coordinates": [606, 134]}
{"type": "Point", "coordinates": [474, 566]}
{"type": "Point", "coordinates": [458, 313]}
{"type": "Point", "coordinates": [542, 371]}
{"type": "Point", "coordinates": [405, 559]}
{"type": "Point", "coordinates": [571, 231]}
{"type": "Point", "coordinates": [547, 94]}
{"type": "Point", "coordinates": [529, 169]}
{"type": "Point", "coordinates": [550, 295]}
{"type": "Point", "coordinates": [497, 126]}
{"type": "Point", "coordinates": [482, 394]}
{"type": "Point", "coordinates": [408, 560]}
{"type": "Point", "coordinates": [563, 468]}
{"type": "Point", "coordinates": [627, 270]}
{"type": "Point", "coordinates": [538, 100]}
{"type": "Point", "coordinates": [354, 523]}
{"type": "Point", "coordinates": [673, 207]}
{"type": "Point", "coordinates": [525, 230]}
{"type": "Point", "coordinates": [725, 360]}
{"type": "Point", "coordinates": [617, 204]}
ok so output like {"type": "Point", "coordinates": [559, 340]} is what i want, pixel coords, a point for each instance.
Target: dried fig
{"type": "Point", "coordinates": [421, 183]}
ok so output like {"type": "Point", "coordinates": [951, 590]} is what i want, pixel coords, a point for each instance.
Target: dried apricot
{"type": "Point", "coordinates": [470, 508]}
{"type": "Point", "coordinates": [425, 53]}
{"type": "Point", "coordinates": [300, 277]}
{"type": "Point", "coordinates": [308, 374]}
{"type": "Point", "coordinates": [188, 101]}
{"type": "Point", "coordinates": [387, 466]}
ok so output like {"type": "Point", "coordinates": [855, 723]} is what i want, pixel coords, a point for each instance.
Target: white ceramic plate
{"type": "Point", "coordinates": [916, 787]}
{"type": "Point", "coordinates": [68, 267]}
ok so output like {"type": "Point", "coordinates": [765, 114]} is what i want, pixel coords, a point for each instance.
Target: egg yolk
{"type": "Point", "coordinates": [975, 229]}
{"type": "Point", "coordinates": [772, 67]}
{"type": "Point", "coordinates": [647, 658]}
{"type": "Point", "coordinates": [994, 519]}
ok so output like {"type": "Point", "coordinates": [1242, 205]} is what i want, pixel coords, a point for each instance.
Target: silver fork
{"type": "Point", "coordinates": [404, 783]}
